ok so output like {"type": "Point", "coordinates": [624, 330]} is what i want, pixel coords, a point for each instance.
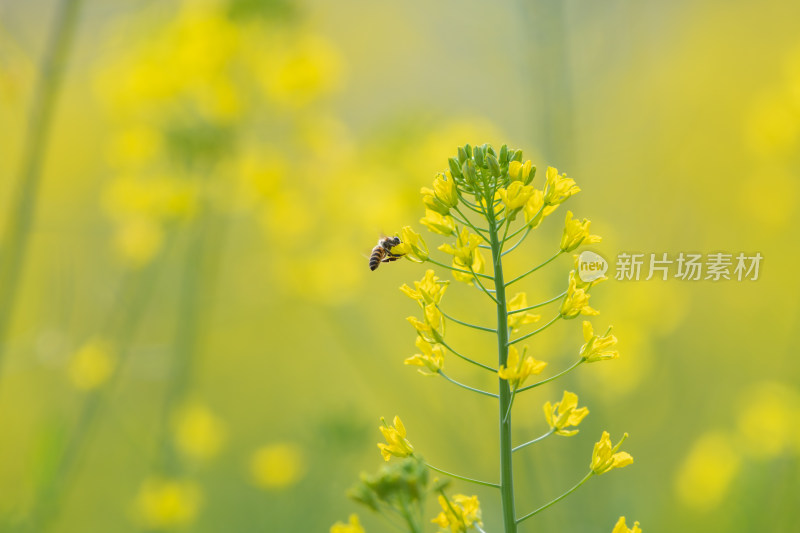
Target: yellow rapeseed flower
{"type": "Point", "coordinates": [622, 527]}
{"type": "Point", "coordinates": [353, 526]}
{"type": "Point", "coordinates": [429, 290]}
{"type": "Point", "coordinates": [276, 466]}
{"type": "Point", "coordinates": [396, 443]}
{"type": "Point", "coordinates": [536, 209]}
{"type": "Point", "coordinates": [605, 457]}
{"type": "Point", "coordinates": [516, 320]}
{"type": "Point", "coordinates": [168, 503]}
{"type": "Point", "coordinates": [459, 514]}
{"type": "Point", "coordinates": [432, 357]}
{"type": "Point", "coordinates": [92, 365]}
{"type": "Point", "coordinates": [466, 255]}
{"type": "Point", "coordinates": [597, 348]}
{"type": "Point", "coordinates": [576, 233]}
{"type": "Point", "coordinates": [576, 301]}
{"type": "Point", "coordinates": [412, 246]}
{"type": "Point", "coordinates": [515, 195]}
{"type": "Point", "coordinates": [565, 414]}
{"type": "Point", "coordinates": [432, 202]}
{"type": "Point", "coordinates": [523, 172]}
{"type": "Point", "coordinates": [432, 329]}
{"type": "Point", "coordinates": [438, 223]}
{"type": "Point", "coordinates": [517, 369]}
{"type": "Point", "coordinates": [558, 187]}
{"type": "Point", "coordinates": [444, 187]}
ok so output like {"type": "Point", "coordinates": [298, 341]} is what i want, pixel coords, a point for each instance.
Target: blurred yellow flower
{"type": "Point", "coordinates": [437, 223]}
{"type": "Point", "coordinates": [429, 290]}
{"type": "Point", "coordinates": [395, 435]}
{"type": "Point", "coordinates": [768, 424]}
{"type": "Point", "coordinates": [576, 233]}
{"type": "Point", "coordinates": [353, 526]}
{"type": "Point", "coordinates": [276, 466]}
{"type": "Point", "coordinates": [138, 240]}
{"type": "Point", "coordinates": [597, 348]}
{"type": "Point", "coordinates": [296, 68]}
{"type": "Point", "coordinates": [565, 414]}
{"type": "Point", "coordinates": [135, 146]}
{"type": "Point", "coordinates": [459, 514]}
{"type": "Point", "coordinates": [198, 433]}
{"type": "Point", "coordinates": [558, 187]}
{"type": "Point", "coordinates": [432, 357]}
{"type": "Point", "coordinates": [622, 527]}
{"type": "Point", "coordinates": [518, 319]}
{"type": "Point", "coordinates": [605, 457]}
{"type": "Point", "coordinates": [517, 369]}
{"type": "Point", "coordinates": [168, 503]}
{"type": "Point", "coordinates": [92, 365]}
{"type": "Point", "coordinates": [707, 472]}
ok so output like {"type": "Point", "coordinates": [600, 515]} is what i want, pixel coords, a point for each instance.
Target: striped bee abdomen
{"type": "Point", "coordinates": [376, 257]}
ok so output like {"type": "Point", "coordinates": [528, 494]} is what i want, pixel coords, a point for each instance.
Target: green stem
{"type": "Point", "coordinates": [548, 380]}
{"type": "Point", "coordinates": [467, 359]}
{"type": "Point", "coordinates": [506, 469]}
{"type": "Point", "coordinates": [532, 333]}
{"type": "Point", "coordinates": [454, 269]}
{"type": "Point", "coordinates": [527, 231]}
{"type": "Point", "coordinates": [462, 478]}
{"type": "Point", "coordinates": [545, 506]}
{"type": "Point", "coordinates": [534, 269]}
{"type": "Point", "coordinates": [551, 300]}
{"type": "Point", "coordinates": [454, 382]}
{"type": "Point", "coordinates": [534, 441]}
{"type": "Point", "coordinates": [21, 205]}
{"type": "Point", "coordinates": [457, 321]}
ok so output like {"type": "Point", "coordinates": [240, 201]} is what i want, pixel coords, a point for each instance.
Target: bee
{"type": "Point", "coordinates": [382, 253]}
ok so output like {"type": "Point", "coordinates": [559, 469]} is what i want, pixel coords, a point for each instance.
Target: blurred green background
{"type": "Point", "coordinates": [194, 340]}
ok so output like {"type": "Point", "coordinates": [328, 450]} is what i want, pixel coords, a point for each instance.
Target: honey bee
{"type": "Point", "coordinates": [382, 252]}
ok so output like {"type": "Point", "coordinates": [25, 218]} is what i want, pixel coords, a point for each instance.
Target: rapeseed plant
{"type": "Point", "coordinates": [476, 201]}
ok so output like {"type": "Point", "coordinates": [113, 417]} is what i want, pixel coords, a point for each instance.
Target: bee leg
{"type": "Point", "coordinates": [391, 258]}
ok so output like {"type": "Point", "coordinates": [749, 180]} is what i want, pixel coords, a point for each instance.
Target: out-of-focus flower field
{"type": "Point", "coordinates": [191, 338]}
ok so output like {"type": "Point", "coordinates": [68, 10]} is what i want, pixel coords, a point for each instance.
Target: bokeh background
{"type": "Point", "coordinates": [192, 339]}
